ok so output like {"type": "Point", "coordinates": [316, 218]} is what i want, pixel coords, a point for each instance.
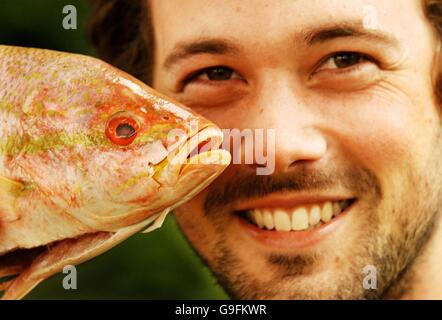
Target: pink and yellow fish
{"type": "Point", "coordinates": [88, 156]}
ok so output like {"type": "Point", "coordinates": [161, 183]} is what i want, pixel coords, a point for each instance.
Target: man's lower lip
{"type": "Point", "coordinates": [293, 239]}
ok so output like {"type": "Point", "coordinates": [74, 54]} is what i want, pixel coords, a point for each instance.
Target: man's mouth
{"type": "Point", "coordinates": [282, 222]}
{"type": "Point", "coordinates": [298, 218]}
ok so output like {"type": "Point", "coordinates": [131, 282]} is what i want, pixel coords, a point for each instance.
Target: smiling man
{"type": "Point", "coordinates": [351, 90]}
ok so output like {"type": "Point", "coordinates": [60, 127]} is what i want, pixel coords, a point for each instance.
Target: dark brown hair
{"type": "Point", "coordinates": [122, 31]}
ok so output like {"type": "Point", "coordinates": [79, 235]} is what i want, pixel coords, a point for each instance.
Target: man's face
{"type": "Point", "coordinates": [347, 87]}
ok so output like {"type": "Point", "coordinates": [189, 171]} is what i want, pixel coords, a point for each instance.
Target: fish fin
{"type": "Point", "coordinates": [14, 262]}
{"type": "Point", "coordinates": [5, 285]}
{"type": "Point", "coordinates": [9, 190]}
{"type": "Point", "coordinates": [67, 252]}
{"type": "Point", "coordinates": [159, 220]}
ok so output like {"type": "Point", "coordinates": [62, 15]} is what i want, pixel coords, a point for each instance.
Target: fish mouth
{"type": "Point", "coordinates": [203, 148]}
{"type": "Point", "coordinates": [198, 162]}
{"type": "Point", "coordinates": [191, 168]}
{"type": "Point", "coordinates": [200, 151]}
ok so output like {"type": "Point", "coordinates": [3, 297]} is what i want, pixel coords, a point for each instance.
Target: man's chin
{"type": "Point", "coordinates": [299, 277]}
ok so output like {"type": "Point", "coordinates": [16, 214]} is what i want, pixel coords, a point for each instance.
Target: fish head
{"type": "Point", "coordinates": [154, 155]}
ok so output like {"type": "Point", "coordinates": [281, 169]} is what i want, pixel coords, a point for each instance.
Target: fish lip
{"type": "Point", "coordinates": [186, 149]}
{"type": "Point", "coordinates": [179, 151]}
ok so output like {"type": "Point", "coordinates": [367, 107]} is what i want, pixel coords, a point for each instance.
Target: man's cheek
{"type": "Point", "coordinates": [400, 124]}
{"type": "Point", "coordinates": [194, 222]}
{"type": "Point", "coordinates": [381, 136]}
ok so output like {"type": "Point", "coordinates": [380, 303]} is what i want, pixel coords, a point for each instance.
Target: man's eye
{"type": "Point", "coordinates": [343, 60]}
{"type": "Point", "coordinates": [214, 74]}
{"type": "Point", "coordinates": [219, 74]}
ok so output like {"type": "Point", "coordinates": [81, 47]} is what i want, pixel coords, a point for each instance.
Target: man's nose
{"type": "Point", "coordinates": [298, 125]}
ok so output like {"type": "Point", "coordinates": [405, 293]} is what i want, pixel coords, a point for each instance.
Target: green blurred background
{"type": "Point", "coordinates": [159, 265]}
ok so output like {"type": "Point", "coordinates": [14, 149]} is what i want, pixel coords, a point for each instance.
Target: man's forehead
{"type": "Point", "coordinates": [250, 23]}
{"type": "Point", "coordinates": [230, 17]}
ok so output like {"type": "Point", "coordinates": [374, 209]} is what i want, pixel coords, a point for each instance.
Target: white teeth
{"type": "Point", "coordinates": [268, 219]}
{"type": "Point", "coordinates": [300, 219]}
{"type": "Point", "coordinates": [257, 218]}
{"type": "Point", "coordinates": [296, 219]}
{"type": "Point", "coordinates": [327, 212]}
{"type": "Point", "coordinates": [282, 221]}
{"type": "Point", "coordinates": [315, 215]}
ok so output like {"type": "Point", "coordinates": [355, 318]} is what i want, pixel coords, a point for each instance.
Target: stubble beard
{"type": "Point", "coordinates": [391, 252]}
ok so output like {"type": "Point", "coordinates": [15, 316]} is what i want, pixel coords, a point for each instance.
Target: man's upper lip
{"type": "Point", "coordinates": [286, 200]}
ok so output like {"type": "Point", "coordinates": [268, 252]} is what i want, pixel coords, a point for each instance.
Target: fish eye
{"type": "Point", "coordinates": [125, 131]}
{"type": "Point", "coordinates": [122, 129]}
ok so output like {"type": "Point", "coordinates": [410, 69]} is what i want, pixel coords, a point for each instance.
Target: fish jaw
{"type": "Point", "coordinates": [188, 171]}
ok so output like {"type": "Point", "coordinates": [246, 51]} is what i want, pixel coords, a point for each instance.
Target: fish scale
{"type": "Point", "coordinates": [71, 185]}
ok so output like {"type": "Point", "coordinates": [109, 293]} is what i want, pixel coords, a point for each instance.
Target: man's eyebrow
{"type": "Point", "coordinates": [347, 30]}
{"type": "Point", "coordinates": [184, 50]}
{"type": "Point", "coordinates": [313, 36]}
